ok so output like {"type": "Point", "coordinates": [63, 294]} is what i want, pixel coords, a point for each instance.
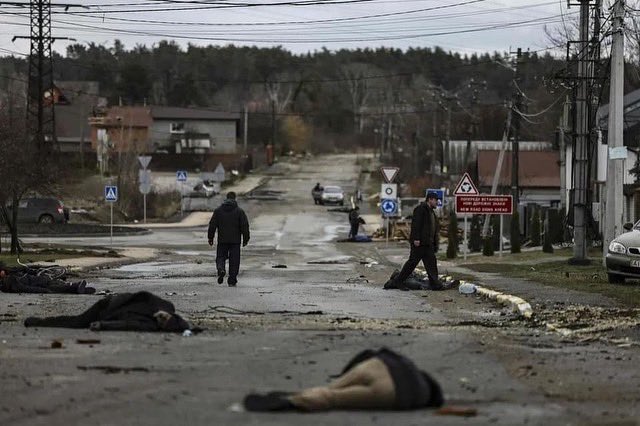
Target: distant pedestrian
{"type": "Point", "coordinates": [424, 241]}
{"type": "Point", "coordinates": [233, 228]}
{"type": "Point", "coordinates": [358, 195]}
{"type": "Point", "coordinates": [354, 221]}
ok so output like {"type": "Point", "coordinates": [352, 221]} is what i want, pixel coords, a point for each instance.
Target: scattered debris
{"type": "Point", "coordinates": [453, 410]}
{"type": "Point", "coordinates": [56, 344]}
{"type": "Point", "coordinates": [279, 266]}
{"type": "Point", "coordinates": [88, 341]}
{"type": "Point", "coordinates": [108, 369]}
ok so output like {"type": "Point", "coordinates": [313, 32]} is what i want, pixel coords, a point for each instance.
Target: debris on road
{"type": "Point", "coordinates": [56, 344]}
{"type": "Point", "coordinates": [453, 410]}
{"type": "Point", "coordinates": [279, 266]}
{"type": "Point", "coordinates": [108, 369]}
{"type": "Point", "coordinates": [88, 341]}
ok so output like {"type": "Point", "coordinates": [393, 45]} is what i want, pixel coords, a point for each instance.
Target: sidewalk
{"type": "Point", "coordinates": [128, 255]}
{"type": "Point", "coordinates": [198, 219]}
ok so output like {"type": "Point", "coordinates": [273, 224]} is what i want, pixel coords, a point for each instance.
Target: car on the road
{"type": "Point", "coordinates": [41, 210]}
{"type": "Point", "coordinates": [332, 195]}
{"type": "Point", "coordinates": [204, 189]}
{"type": "Point", "coordinates": [623, 256]}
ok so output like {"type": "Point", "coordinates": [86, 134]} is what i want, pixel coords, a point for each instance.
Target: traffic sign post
{"type": "Point", "coordinates": [485, 204]}
{"type": "Point", "coordinates": [389, 207]}
{"type": "Point", "coordinates": [388, 191]}
{"type": "Point", "coordinates": [144, 178]}
{"type": "Point", "coordinates": [181, 176]}
{"type": "Point", "coordinates": [389, 173]}
{"type": "Point", "coordinates": [111, 196]}
{"type": "Point", "coordinates": [439, 193]}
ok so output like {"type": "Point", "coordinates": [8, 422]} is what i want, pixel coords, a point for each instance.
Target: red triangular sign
{"type": "Point", "coordinates": [466, 186]}
{"type": "Point", "coordinates": [389, 173]}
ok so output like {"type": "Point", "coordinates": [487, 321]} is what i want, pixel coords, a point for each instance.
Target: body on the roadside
{"type": "Point", "coordinates": [232, 226]}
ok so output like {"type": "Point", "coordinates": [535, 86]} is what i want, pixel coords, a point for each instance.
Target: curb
{"type": "Point", "coordinates": [517, 304]}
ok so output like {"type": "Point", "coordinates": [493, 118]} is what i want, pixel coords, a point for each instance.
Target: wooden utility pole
{"type": "Point", "coordinates": [515, 146]}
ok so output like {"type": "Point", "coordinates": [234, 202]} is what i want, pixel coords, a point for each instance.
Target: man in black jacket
{"type": "Point", "coordinates": [233, 228]}
{"type": "Point", "coordinates": [354, 222]}
{"type": "Point", "coordinates": [424, 241]}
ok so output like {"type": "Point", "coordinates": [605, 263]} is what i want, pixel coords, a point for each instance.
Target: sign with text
{"type": "Point", "coordinates": [484, 204]}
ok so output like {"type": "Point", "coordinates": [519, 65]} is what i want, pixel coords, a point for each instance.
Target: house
{"type": "Point", "coordinates": [75, 102]}
{"type": "Point", "coordinates": [458, 151]}
{"type": "Point", "coordinates": [631, 137]}
{"type": "Point", "coordinates": [121, 129]}
{"type": "Point", "coordinates": [193, 130]}
{"type": "Point", "coordinates": [538, 176]}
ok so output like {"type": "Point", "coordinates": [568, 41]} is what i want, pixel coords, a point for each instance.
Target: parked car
{"type": "Point", "coordinates": [623, 257]}
{"type": "Point", "coordinates": [41, 210]}
{"type": "Point", "coordinates": [333, 195]}
{"type": "Point", "coordinates": [204, 189]}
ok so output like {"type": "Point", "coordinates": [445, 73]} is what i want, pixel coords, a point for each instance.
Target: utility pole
{"type": "Point", "coordinates": [515, 146]}
{"type": "Point", "coordinates": [614, 207]}
{"type": "Point", "coordinates": [245, 123]}
{"type": "Point", "coordinates": [562, 128]}
{"type": "Point", "coordinates": [581, 144]}
{"type": "Point", "coordinates": [41, 94]}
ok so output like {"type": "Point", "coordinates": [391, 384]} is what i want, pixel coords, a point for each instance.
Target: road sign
{"type": "Point", "coordinates": [466, 186]}
{"type": "Point", "coordinates": [219, 174]}
{"type": "Point", "coordinates": [484, 204]}
{"type": "Point", "coordinates": [439, 193]}
{"type": "Point", "coordinates": [144, 160]}
{"type": "Point", "coordinates": [181, 175]}
{"type": "Point", "coordinates": [389, 207]}
{"type": "Point", "coordinates": [111, 193]}
{"type": "Point", "coordinates": [145, 188]}
{"type": "Point", "coordinates": [144, 176]}
{"type": "Point", "coordinates": [389, 191]}
{"type": "Point", "coordinates": [389, 173]}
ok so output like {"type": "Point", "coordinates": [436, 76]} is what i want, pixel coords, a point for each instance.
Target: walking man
{"type": "Point", "coordinates": [424, 241]}
{"type": "Point", "coordinates": [233, 228]}
{"type": "Point", "coordinates": [354, 221]}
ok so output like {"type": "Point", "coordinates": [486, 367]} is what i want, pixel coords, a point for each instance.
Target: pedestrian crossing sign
{"type": "Point", "coordinates": [111, 193]}
{"type": "Point", "coordinates": [181, 175]}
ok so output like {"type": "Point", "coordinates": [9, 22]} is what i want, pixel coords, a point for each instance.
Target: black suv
{"type": "Point", "coordinates": [42, 210]}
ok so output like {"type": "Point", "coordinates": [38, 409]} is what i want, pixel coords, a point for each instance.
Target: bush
{"type": "Point", "coordinates": [475, 239]}
{"type": "Point", "coordinates": [535, 228]}
{"type": "Point", "coordinates": [452, 240]}
{"type": "Point", "coordinates": [515, 233]}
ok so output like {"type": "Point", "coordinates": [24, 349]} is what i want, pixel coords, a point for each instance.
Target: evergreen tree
{"type": "Point", "coordinates": [546, 245]}
{"type": "Point", "coordinates": [535, 228]}
{"type": "Point", "coordinates": [515, 232]}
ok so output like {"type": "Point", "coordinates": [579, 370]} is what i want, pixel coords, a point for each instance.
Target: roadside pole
{"type": "Point", "coordinates": [387, 243]}
{"type": "Point", "coordinates": [466, 244]}
{"type": "Point", "coordinates": [501, 223]}
{"type": "Point", "coordinates": [181, 199]}
{"type": "Point", "coordinates": [144, 207]}
{"type": "Point", "coordinates": [111, 196]}
{"type": "Point", "coordinates": [111, 227]}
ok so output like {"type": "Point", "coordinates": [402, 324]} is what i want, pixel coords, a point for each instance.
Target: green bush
{"type": "Point", "coordinates": [515, 233]}
{"type": "Point", "coordinates": [535, 228]}
{"type": "Point", "coordinates": [452, 240]}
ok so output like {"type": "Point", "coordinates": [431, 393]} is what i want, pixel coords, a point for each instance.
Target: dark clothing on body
{"type": "Point", "coordinates": [14, 283]}
{"type": "Point", "coordinates": [354, 221]}
{"type": "Point", "coordinates": [125, 312]}
{"type": "Point", "coordinates": [424, 228]}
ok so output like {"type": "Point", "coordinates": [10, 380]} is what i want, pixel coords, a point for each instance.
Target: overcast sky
{"type": "Point", "coordinates": [458, 25]}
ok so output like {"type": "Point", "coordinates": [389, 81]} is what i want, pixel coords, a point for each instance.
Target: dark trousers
{"type": "Point", "coordinates": [231, 252]}
{"type": "Point", "coordinates": [354, 229]}
{"type": "Point", "coordinates": [427, 255]}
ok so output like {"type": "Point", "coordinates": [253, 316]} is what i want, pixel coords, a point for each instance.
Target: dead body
{"type": "Point", "coordinates": [20, 280]}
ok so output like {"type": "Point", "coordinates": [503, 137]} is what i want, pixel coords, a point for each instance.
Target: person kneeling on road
{"type": "Point", "coordinates": [232, 225]}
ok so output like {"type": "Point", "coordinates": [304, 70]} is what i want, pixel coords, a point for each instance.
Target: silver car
{"type": "Point", "coordinates": [623, 256]}
{"type": "Point", "coordinates": [332, 195]}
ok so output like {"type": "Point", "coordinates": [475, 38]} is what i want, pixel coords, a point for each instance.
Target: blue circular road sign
{"type": "Point", "coordinates": [389, 206]}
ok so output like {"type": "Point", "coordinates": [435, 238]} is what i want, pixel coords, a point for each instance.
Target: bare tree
{"type": "Point", "coordinates": [22, 168]}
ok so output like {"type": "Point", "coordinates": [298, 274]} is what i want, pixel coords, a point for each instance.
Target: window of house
{"type": "Point", "coordinates": [177, 128]}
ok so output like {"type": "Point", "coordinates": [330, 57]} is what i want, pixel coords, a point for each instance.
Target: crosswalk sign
{"type": "Point", "coordinates": [181, 175]}
{"type": "Point", "coordinates": [111, 193]}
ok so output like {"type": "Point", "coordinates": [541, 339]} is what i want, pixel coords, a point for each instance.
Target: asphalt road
{"type": "Point", "coordinates": [289, 328]}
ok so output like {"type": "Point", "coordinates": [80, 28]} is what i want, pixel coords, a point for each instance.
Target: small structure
{"type": "Point", "coordinates": [75, 102]}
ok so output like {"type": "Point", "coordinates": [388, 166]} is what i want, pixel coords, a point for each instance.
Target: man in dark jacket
{"type": "Point", "coordinates": [424, 241]}
{"type": "Point", "coordinates": [233, 228]}
{"type": "Point", "coordinates": [354, 221]}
